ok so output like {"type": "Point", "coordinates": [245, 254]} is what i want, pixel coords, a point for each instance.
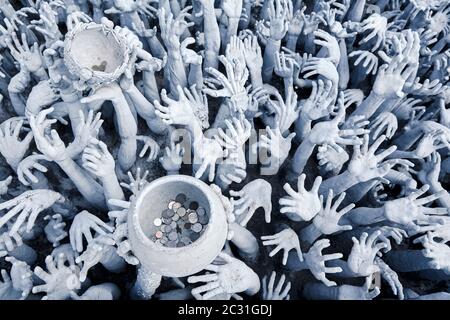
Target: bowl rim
{"type": "Point", "coordinates": [202, 186]}
{"type": "Point", "coordinates": [74, 66]}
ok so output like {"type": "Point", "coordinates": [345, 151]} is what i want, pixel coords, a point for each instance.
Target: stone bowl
{"type": "Point", "coordinates": [96, 54]}
{"type": "Point", "coordinates": [175, 261]}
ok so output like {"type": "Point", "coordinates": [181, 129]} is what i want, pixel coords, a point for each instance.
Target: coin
{"type": "Point", "coordinates": [203, 219]}
{"type": "Point", "coordinates": [171, 203]}
{"type": "Point", "coordinates": [175, 217]}
{"type": "Point", "coordinates": [157, 222]}
{"type": "Point", "coordinates": [158, 234]}
{"type": "Point", "coordinates": [181, 211]}
{"type": "Point", "coordinates": [181, 198]}
{"type": "Point", "coordinates": [201, 211]}
{"type": "Point", "coordinates": [166, 220]}
{"type": "Point", "coordinates": [197, 227]}
{"type": "Point", "coordinates": [171, 244]}
{"type": "Point", "coordinates": [168, 213]}
{"type": "Point", "coordinates": [173, 236]}
{"type": "Point", "coordinates": [176, 205]}
{"type": "Point", "coordinates": [187, 225]}
{"type": "Point", "coordinates": [193, 205]}
{"type": "Point", "coordinates": [167, 229]}
{"type": "Point", "coordinates": [193, 217]}
{"type": "Point", "coordinates": [173, 224]}
{"type": "Point", "coordinates": [163, 241]}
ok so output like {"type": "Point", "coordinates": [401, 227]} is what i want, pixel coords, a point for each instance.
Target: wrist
{"type": "Point", "coordinates": [255, 284]}
{"type": "Point", "coordinates": [310, 233]}
{"type": "Point", "coordinates": [41, 73]}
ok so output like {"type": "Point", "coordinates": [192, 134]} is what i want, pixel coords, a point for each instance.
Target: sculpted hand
{"type": "Point", "coordinates": [285, 240]}
{"type": "Point", "coordinates": [277, 293]}
{"type": "Point", "coordinates": [302, 205]}
{"type": "Point", "coordinates": [254, 195]}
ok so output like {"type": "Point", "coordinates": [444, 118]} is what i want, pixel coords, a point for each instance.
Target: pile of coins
{"type": "Point", "coordinates": [181, 223]}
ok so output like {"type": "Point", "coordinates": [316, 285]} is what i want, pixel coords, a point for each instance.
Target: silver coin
{"type": "Point", "coordinates": [197, 227]}
{"type": "Point", "coordinates": [201, 211]}
{"type": "Point", "coordinates": [173, 236]}
{"type": "Point", "coordinates": [167, 229]}
{"type": "Point", "coordinates": [157, 222]}
{"type": "Point", "coordinates": [163, 240]}
{"type": "Point", "coordinates": [181, 211]}
{"type": "Point", "coordinates": [171, 203]}
{"type": "Point", "coordinates": [171, 244]}
{"type": "Point", "coordinates": [176, 206]}
{"type": "Point", "coordinates": [175, 217]}
{"type": "Point", "coordinates": [181, 198]}
{"type": "Point", "coordinates": [166, 220]}
{"type": "Point", "coordinates": [203, 219]}
{"type": "Point", "coordinates": [168, 213]}
{"type": "Point", "coordinates": [193, 217]}
{"type": "Point", "coordinates": [173, 225]}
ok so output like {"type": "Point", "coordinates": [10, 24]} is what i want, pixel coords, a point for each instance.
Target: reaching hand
{"type": "Point", "coordinates": [81, 227]}
{"type": "Point", "coordinates": [285, 240]}
{"type": "Point", "coordinates": [59, 280]}
{"type": "Point", "coordinates": [232, 277]}
{"type": "Point", "coordinates": [54, 230]}
{"type": "Point", "coordinates": [361, 260]}
{"type": "Point", "coordinates": [254, 195]}
{"type": "Point", "coordinates": [277, 293]}
{"type": "Point", "coordinates": [315, 260]}
{"type": "Point", "coordinates": [28, 205]}
{"type": "Point", "coordinates": [327, 220]}
{"type": "Point", "coordinates": [97, 159]}
{"type": "Point", "coordinates": [135, 185]}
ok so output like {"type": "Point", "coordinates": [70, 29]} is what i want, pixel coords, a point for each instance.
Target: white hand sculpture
{"type": "Point", "coordinates": [301, 205]}
{"type": "Point", "coordinates": [321, 101]}
{"type": "Point", "coordinates": [361, 260]}
{"type": "Point", "coordinates": [4, 184]}
{"type": "Point", "coordinates": [11, 146]}
{"type": "Point", "coordinates": [21, 276]}
{"type": "Point", "coordinates": [315, 261]}
{"type": "Point", "coordinates": [24, 173]}
{"type": "Point", "coordinates": [277, 293]}
{"type": "Point", "coordinates": [410, 212]}
{"type": "Point", "coordinates": [65, 250]}
{"type": "Point", "coordinates": [329, 42]}
{"type": "Point", "coordinates": [97, 159]}
{"type": "Point", "coordinates": [81, 227]}
{"type": "Point", "coordinates": [438, 252]}
{"type": "Point", "coordinates": [365, 165]}
{"type": "Point", "coordinates": [333, 157]}
{"type": "Point", "coordinates": [232, 277]}
{"type": "Point", "coordinates": [120, 236]}
{"type": "Point", "coordinates": [255, 194]}
{"type": "Point", "coordinates": [176, 112]}
{"type": "Point", "coordinates": [327, 220]}
{"type": "Point", "coordinates": [54, 230]}
{"type": "Point", "coordinates": [149, 144]}
{"type": "Point", "coordinates": [135, 185]}
{"type": "Point", "coordinates": [173, 157]}
{"type": "Point", "coordinates": [59, 280]}
{"type": "Point", "coordinates": [377, 25]}
{"type": "Point", "coordinates": [286, 112]}
{"type": "Point", "coordinates": [286, 240]}
{"type": "Point", "coordinates": [278, 145]}
{"type": "Point", "coordinates": [28, 206]}
{"type": "Point", "coordinates": [93, 254]}
{"type": "Point", "coordinates": [368, 59]}
{"type": "Point", "coordinates": [384, 121]}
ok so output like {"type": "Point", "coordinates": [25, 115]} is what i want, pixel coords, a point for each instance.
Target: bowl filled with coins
{"type": "Point", "coordinates": [177, 226]}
